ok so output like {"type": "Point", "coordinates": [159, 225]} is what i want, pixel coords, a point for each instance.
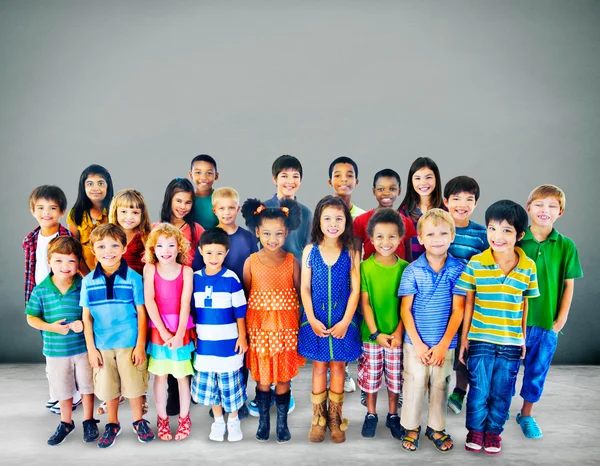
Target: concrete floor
{"type": "Point", "coordinates": [568, 414]}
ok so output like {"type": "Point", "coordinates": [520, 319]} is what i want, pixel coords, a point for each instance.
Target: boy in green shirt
{"type": "Point", "coordinates": [203, 173]}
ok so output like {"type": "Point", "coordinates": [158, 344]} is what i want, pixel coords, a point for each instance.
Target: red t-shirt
{"type": "Point", "coordinates": [360, 231]}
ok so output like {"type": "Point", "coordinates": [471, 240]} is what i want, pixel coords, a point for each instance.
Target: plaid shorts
{"type": "Point", "coordinates": [219, 388]}
{"type": "Point", "coordinates": [377, 361]}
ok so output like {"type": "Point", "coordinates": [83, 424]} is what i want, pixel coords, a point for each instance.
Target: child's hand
{"type": "Point", "coordinates": [339, 330]}
{"type": "Point", "coordinates": [464, 349]}
{"type": "Point", "coordinates": [241, 345]}
{"type": "Point", "coordinates": [165, 335]}
{"type": "Point", "coordinates": [174, 342]}
{"type": "Point", "coordinates": [523, 351]}
{"type": "Point", "coordinates": [319, 328]}
{"type": "Point", "coordinates": [95, 358]}
{"type": "Point", "coordinates": [138, 356]}
{"type": "Point", "coordinates": [422, 352]}
{"type": "Point", "coordinates": [557, 326]}
{"type": "Point", "coordinates": [437, 355]}
{"type": "Point", "coordinates": [76, 326]}
{"type": "Point", "coordinates": [59, 327]}
{"type": "Point", "coordinates": [385, 340]}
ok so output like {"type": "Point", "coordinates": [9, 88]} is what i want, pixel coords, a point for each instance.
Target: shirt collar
{"type": "Point", "coordinates": [121, 271]}
{"type": "Point", "coordinates": [422, 262]}
{"type": "Point", "coordinates": [553, 236]}
{"type": "Point", "coordinates": [49, 284]}
{"type": "Point", "coordinates": [487, 257]}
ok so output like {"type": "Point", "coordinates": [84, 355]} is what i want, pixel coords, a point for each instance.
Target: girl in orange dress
{"type": "Point", "coordinates": [273, 277]}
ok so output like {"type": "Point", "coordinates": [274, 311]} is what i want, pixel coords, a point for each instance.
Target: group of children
{"type": "Point", "coordinates": [199, 302]}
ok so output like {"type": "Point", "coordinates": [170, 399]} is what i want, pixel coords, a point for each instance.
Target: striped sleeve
{"type": "Point", "coordinates": [467, 279]}
{"type": "Point", "coordinates": [34, 305]}
{"type": "Point", "coordinates": [238, 299]}
{"type": "Point", "coordinates": [408, 284]}
{"type": "Point", "coordinates": [532, 290]}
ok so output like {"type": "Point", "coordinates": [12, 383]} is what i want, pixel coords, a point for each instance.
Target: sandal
{"type": "Point", "coordinates": [414, 441]}
{"type": "Point", "coordinates": [439, 442]}
{"type": "Point", "coordinates": [529, 427]}
{"type": "Point", "coordinates": [184, 427]}
{"type": "Point", "coordinates": [164, 429]}
{"type": "Point", "coordinates": [102, 409]}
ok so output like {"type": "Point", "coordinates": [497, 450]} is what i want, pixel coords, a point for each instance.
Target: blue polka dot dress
{"type": "Point", "coordinates": [330, 292]}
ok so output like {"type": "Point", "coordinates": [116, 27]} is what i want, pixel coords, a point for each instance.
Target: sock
{"type": "Point", "coordinates": [219, 420]}
{"type": "Point", "coordinates": [233, 419]}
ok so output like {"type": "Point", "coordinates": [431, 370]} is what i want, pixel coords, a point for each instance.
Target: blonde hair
{"type": "Point", "coordinates": [131, 199]}
{"type": "Point", "coordinates": [436, 216]}
{"type": "Point", "coordinates": [225, 193]}
{"type": "Point", "coordinates": [548, 190]}
{"type": "Point", "coordinates": [167, 230]}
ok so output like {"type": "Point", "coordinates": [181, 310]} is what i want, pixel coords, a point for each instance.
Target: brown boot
{"type": "Point", "coordinates": [337, 425]}
{"type": "Point", "coordinates": [319, 420]}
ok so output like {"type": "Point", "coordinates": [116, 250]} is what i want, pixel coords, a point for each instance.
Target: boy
{"type": "Point", "coordinates": [343, 178]}
{"type": "Point", "coordinates": [432, 310]}
{"type": "Point", "coordinates": [115, 323]}
{"type": "Point", "coordinates": [498, 282]}
{"type": "Point", "coordinates": [287, 176]}
{"type": "Point", "coordinates": [382, 329]}
{"type": "Point", "coordinates": [203, 173]}
{"type": "Point", "coordinates": [54, 309]}
{"type": "Point", "coordinates": [220, 306]}
{"type": "Point", "coordinates": [386, 189]}
{"type": "Point", "coordinates": [460, 198]}
{"type": "Point", "coordinates": [557, 263]}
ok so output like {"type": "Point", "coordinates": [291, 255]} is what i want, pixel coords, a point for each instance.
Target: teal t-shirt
{"type": "Point", "coordinates": [203, 213]}
{"type": "Point", "coordinates": [381, 282]}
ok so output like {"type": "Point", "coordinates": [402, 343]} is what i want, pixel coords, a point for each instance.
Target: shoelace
{"type": "Point", "coordinates": [143, 429]}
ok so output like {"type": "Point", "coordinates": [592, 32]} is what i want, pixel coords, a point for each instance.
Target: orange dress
{"type": "Point", "coordinates": [272, 320]}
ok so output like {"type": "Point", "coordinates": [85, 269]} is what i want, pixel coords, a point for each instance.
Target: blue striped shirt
{"type": "Point", "coordinates": [219, 300]}
{"type": "Point", "coordinates": [432, 304]}
{"type": "Point", "coordinates": [469, 240]}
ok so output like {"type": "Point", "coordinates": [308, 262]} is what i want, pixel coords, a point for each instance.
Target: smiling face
{"type": "Point", "coordinates": [96, 188]}
{"type": "Point", "coordinates": [166, 249]}
{"type": "Point", "coordinates": [181, 205]}
{"type": "Point", "coordinates": [423, 181]}
{"type": "Point", "coordinates": [386, 238]}
{"type": "Point", "coordinates": [63, 266]}
{"type": "Point", "coordinates": [226, 210]}
{"type": "Point", "coordinates": [435, 238]}
{"type": "Point", "coordinates": [203, 175]}
{"type": "Point", "coordinates": [213, 255]}
{"type": "Point", "coordinates": [543, 212]}
{"type": "Point", "coordinates": [343, 179]}
{"type": "Point", "coordinates": [287, 181]}
{"type": "Point", "coordinates": [502, 236]}
{"type": "Point", "coordinates": [461, 206]}
{"type": "Point", "coordinates": [333, 222]}
{"type": "Point", "coordinates": [109, 251]}
{"type": "Point", "coordinates": [386, 191]}
{"type": "Point", "coordinates": [129, 217]}
{"type": "Point", "coordinates": [271, 233]}
{"type": "Point", "coordinates": [47, 213]}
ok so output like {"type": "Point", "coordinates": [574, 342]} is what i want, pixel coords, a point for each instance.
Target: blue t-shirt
{"type": "Point", "coordinates": [432, 304]}
{"type": "Point", "coordinates": [469, 240]}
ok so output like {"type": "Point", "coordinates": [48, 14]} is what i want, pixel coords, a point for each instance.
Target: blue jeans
{"type": "Point", "coordinates": [541, 345]}
{"type": "Point", "coordinates": [492, 375]}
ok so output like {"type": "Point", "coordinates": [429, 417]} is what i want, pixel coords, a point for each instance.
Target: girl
{"type": "Point", "coordinates": [178, 210]}
{"type": "Point", "coordinates": [168, 285]}
{"type": "Point", "coordinates": [273, 278]}
{"type": "Point", "coordinates": [128, 210]}
{"type": "Point", "coordinates": [90, 210]}
{"type": "Point", "coordinates": [424, 192]}
{"type": "Point", "coordinates": [329, 332]}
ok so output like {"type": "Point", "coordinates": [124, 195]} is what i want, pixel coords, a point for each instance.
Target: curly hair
{"type": "Point", "coordinates": [167, 230]}
{"type": "Point", "coordinates": [255, 212]}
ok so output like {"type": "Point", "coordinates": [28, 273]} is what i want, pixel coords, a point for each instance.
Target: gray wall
{"type": "Point", "coordinates": [505, 91]}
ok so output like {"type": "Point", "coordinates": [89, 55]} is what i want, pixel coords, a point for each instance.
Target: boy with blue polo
{"type": "Point", "coordinates": [115, 325]}
{"type": "Point", "coordinates": [498, 283]}
{"type": "Point", "coordinates": [558, 266]}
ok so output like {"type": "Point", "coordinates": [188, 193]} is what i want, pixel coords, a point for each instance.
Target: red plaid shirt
{"type": "Point", "coordinates": [29, 248]}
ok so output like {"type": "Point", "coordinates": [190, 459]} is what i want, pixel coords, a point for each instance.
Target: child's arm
{"type": "Point", "coordinates": [339, 330]}
{"type": "Point", "coordinates": [469, 308]}
{"type": "Point", "coordinates": [139, 352]}
{"type": "Point", "coordinates": [565, 305]}
{"type": "Point", "coordinates": [383, 339]}
{"type": "Point", "coordinates": [184, 312]}
{"type": "Point", "coordinates": [409, 324]}
{"type": "Point", "coordinates": [524, 326]}
{"type": "Point", "coordinates": [438, 352]}
{"type": "Point", "coordinates": [94, 355]}
{"type": "Point", "coordinates": [399, 332]}
{"type": "Point", "coordinates": [241, 345]}
{"type": "Point", "coordinates": [296, 276]}
{"type": "Point", "coordinates": [55, 327]}
{"type": "Point", "coordinates": [306, 293]}
{"type": "Point", "coordinates": [247, 278]}
{"type": "Point", "coordinates": [152, 308]}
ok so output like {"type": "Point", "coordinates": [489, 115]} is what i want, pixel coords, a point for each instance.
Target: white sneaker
{"type": "Point", "coordinates": [349, 385]}
{"type": "Point", "coordinates": [217, 431]}
{"type": "Point", "coordinates": [234, 430]}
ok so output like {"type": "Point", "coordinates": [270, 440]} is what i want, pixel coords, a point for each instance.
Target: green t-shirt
{"type": "Point", "coordinates": [556, 260]}
{"type": "Point", "coordinates": [203, 213]}
{"type": "Point", "coordinates": [381, 282]}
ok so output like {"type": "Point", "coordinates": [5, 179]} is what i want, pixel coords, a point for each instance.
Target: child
{"type": "Point", "coordinates": [167, 292]}
{"type": "Point", "coordinates": [382, 329]}
{"type": "Point", "coordinates": [329, 333]}
{"type": "Point", "coordinates": [54, 309]}
{"type": "Point", "coordinates": [220, 323]}
{"type": "Point", "coordinates": [432, 309]}
{"type": "Point", "coordinates": [115, 322]}
{"type": "Point", "coordinates": [557, 264]}
{"type": "Point", "coordinates": [287, 176]}
{"type": "Point", "coordinates": [498, 282]}
{"type": "Point", "coordinates": [203, 173]}
{"type": "Point", "coordinates": [343, 178]}
{"type": "Point", "coordinates": [90, 210]}
{"type": "Point", "coordinates": [272, 277]}
{"type": "Point", "coordinates": [128, 210]}
{"type": "Point", "coordinates": [460, 198]}
{"type": "Point", "coordinates": [178, 210]}
{"type": "Point", "coordinates": [424, 192]}
{"type": "Point", "coordinates": [386, 189]}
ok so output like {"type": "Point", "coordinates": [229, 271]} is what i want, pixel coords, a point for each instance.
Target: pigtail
{"type": "Point", "coordinates": [251, 213]}
{"type": "Point", "coordinates": [293, 217]}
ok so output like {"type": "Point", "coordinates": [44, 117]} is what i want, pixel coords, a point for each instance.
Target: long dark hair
{"type": "Point", "coordinates": [347, 237]}
{"type": "Point", "coordinates": [411, 198]}
{"type": "Point", "coordinates": [178, 185]}
{"type": "Point", "coordinates": [83, 204]}
{"type": "Point", "coordinates": [255, 212]}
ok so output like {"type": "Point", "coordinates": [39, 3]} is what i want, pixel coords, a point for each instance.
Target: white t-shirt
{"type": "Point", "coordinates": [42, 269]}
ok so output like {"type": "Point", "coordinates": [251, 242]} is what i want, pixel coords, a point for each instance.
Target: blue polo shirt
{"type": "Point", "coordinates": [432, 304]}
{"type": "Point", "coordinates": [112, 301]}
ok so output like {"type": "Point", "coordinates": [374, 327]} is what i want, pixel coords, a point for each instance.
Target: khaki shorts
{"type": "Point", "coordinates": [118, 375]}
{"type": "Point", "coordinates": [68, 374]}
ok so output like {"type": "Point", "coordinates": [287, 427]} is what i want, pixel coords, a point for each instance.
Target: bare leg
{"type": "Point", "coordinates": [526, 410]}
{"type": "Point", "coordinates": [160, 395]}
{"type": "Point", "coordinates": [113, 410]}
{"type": "Point", "coordinates": [392, 402]}
{"type": "Point", "coordinates": [338, 376]}
{"type": "Point", "coordinates": [184, 396]}
{"type": "Point", "coordinates": [282, 387]}
{"type": "Point", "coordinates": [88, 406]}
{"type": "Point", "coordinates": [66, 410]}
{"type": "Point", "coordinates": [136, 407]}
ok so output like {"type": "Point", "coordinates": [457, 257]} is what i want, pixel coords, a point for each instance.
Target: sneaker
{"type": "Point", "coordinates": [143, 431]}
{"type": "Point", "coordinates": [392, 422]}
{"type": "Point", "coordinates": [234, 430]}
{"type": "Point", "coordinates": [90, 430]}
{"type": "Point", "coordinates": [475, 441]}
{"type": "Point", "coordinates": [111, 432]}
{"type": "Point", "coordinates": [369, 426]}
{"type": "Point", "coordinates": [292, 403]}
{"type": "Point", "coordinates": [253, 408]}
{"type": "Point", "coordinates": [243, 412]}
{"type": "Point", "coordinates": [349, 385]}
{"type": "Point", "coordinates": [217, 431]}
{"type": "Point", "coordinates": [77, 400]}
{"type": "Point", "coordinates": [61, 433]}
{"type": "Point", "coordinates": [455, 402]}
{"type": "Point", "coordinates": [363, 398]}
{"type": "Point", "coordinates": [55, 409]}
{"type": "Point", "coordinates": [51, 403]}
{"type": "Point", "coordinates": [492, 443]}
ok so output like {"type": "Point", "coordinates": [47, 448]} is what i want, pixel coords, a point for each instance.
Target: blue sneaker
{"type": "Point", "coordinates": [369, 426]}
{"type": "Point", "coordinates": [243, 412]}
{"type": "Point", "coordinates": [111, 432]}
{"type": "Point", "coordinates": [292, 404]}
{"type": "Point", "coordinates": [62, 431]}
{"type": "Point", "coordinates": [90, 430]}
